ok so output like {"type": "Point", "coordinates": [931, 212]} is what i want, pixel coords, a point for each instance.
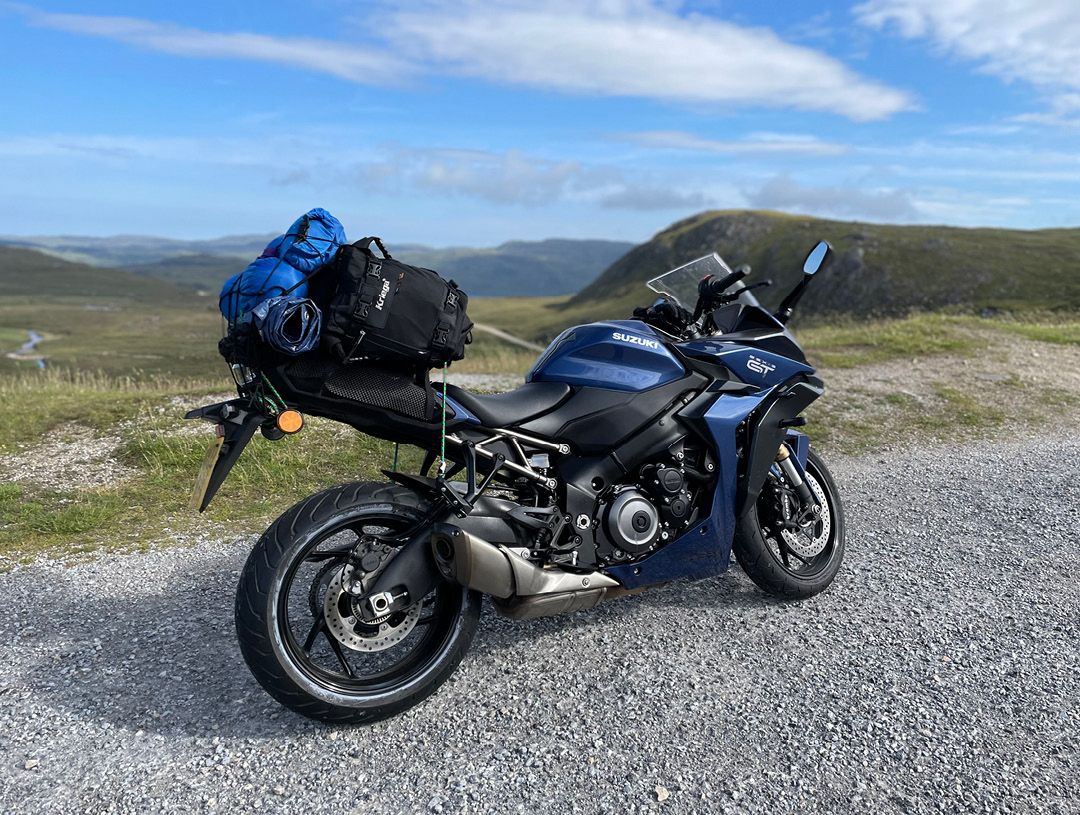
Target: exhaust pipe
{"type": "Point", "coordinates": [525, 589]}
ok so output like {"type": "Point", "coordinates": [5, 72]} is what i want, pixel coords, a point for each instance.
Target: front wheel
{"type": "Point", "coordinates": [300, 632]}
{"type": "Point", "coordinates": [788, 559]}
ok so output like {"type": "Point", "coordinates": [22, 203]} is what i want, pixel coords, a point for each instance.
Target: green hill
{"type": "Point", "coordinates": [878, 270]}
{"type": "Point", "coordinates": [133, 250]}
{"type": "Point", "coordinates": [26, 273]}
{"type": "Point", "coordinates": [199, 271]}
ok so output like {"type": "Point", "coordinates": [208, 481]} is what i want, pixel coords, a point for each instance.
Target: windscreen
{"type": "Point", "coordinates": [681, 284]}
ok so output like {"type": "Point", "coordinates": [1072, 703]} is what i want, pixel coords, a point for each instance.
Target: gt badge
{"type": "Point", "coordinates": [760, 366]}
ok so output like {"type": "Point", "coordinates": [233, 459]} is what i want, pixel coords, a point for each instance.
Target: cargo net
{"type": "Point", "coordinates": [269, 276]}
{"type": "Point", "coordinates": [285, 268]}
{"type": "Point", "coordinates": [238, 347]}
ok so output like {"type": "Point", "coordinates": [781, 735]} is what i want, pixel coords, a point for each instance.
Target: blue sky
{"type": "Point", "coordinates": [477, 122]}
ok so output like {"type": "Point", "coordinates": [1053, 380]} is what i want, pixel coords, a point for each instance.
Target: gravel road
{"type": "Point", "coordinates": [940, 673]}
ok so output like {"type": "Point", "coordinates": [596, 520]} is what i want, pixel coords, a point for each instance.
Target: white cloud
{"type": "Point", "coordinates": [785, 193]}
{"type": "Point", "coordinates": [648, 198]}
{"type": "Point", "coordinates": [343, 60]}
{"type": "Point", "coordinates": [755, 143]}
{"type": "Point", "coordinates": [639, 48]}
{"type": "Point", "coordinates": [513, 177]}
{"type": "Point", "coordinates": [509, 177]}
{"type": "Point", "coordinates": [635, 48]}
{"type": "Point", "coordinates": [1037, 42]}
{"type": "Point", "coordinates": [123, 150]}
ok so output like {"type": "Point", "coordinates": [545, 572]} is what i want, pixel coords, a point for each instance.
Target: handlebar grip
{"type": "Point", "coordinates": [710, 287]}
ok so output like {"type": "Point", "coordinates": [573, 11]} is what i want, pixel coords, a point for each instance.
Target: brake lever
{"type": "Point", "coordinates": [733, 296]}
{"type": "Point", "coordinates": [761, 284]}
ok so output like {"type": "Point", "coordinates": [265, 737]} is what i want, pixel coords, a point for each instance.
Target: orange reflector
{"type": "Point", "coordinates": [290, 421]}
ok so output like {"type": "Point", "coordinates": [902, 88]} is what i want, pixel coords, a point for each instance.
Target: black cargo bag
{"type": "Point", "coordinates": [387, 310]}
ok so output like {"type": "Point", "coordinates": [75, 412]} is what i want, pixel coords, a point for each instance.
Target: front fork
{"type": "Point", "coordinates": [794, 474]}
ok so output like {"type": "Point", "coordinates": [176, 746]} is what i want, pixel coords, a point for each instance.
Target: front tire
{"type": "Point", "coordinates": [293, 619]}
{"type": "Point", "coordinates": [782, 566]}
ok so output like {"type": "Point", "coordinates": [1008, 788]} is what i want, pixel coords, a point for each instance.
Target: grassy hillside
{"type": "Point", "coordinates": [96, 319]}
{"type": "Point", "coordinates": [129, 250]}
{"type": "Point", "coordinates": [25, 273]}
{"type": "Point", "coordinates": [121, 324]}
{"type": "Point", "coordinates": [878, 270]}
{"type": "Point", "coordinates": [202, 272]}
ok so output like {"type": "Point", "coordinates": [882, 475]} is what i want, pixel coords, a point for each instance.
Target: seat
{"type": "Point", "coordinates": [513, 407]}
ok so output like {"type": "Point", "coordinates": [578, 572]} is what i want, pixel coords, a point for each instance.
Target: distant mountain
{"type": "Point", "coordinates": [515, 268]}
{"type": "Point", "coordinates": [131, 250]}
{"type": "Point", "coordinates": [519, 268]}
{"type": "Point", "coordinates": [877, 269]}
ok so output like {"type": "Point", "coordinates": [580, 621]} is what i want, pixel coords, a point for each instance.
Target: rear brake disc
{"type": "Point", "coordinates": [350, 630]}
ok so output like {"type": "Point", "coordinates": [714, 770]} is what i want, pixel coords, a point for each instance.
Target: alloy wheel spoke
{"type": "Point", "coordinates": [787, 552]}
{"type": "Point", "coordinates": [328, 554]}
{"type": "Point", "coordinates": [317, 626]}
{"type": "Point", "coordinates": [335, 646]}
{"type": "Point", "coordinates": [784, 553]}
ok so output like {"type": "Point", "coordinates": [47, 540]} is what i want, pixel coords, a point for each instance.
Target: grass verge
{"type": "Point", "coordinates": [164, 453]}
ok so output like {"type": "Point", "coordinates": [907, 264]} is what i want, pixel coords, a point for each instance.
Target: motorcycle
{"type": "Point", "coordinates": [637, 452]}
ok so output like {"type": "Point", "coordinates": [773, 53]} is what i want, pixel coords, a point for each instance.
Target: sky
{"type": "Point", "coordinates": [471, 123]}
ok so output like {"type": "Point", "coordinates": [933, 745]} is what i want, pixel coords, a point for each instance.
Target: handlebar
{"type": "Point", "coordinates": [710, 288]}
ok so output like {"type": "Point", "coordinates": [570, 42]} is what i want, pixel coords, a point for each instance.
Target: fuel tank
{"type": "Point", "coordinates": [621, 355]}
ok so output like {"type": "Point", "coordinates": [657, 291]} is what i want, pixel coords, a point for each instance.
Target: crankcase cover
{"type": "Point", "coordinates": [631, 521]}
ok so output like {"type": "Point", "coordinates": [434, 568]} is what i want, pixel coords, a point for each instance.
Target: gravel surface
{"type": "Point", "coordinates": [940, 673]}
{"type": "Point", "coordinates": [71, 454]}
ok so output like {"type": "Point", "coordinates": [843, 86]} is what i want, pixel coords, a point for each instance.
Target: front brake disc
{"type": "Point", "coordinates": [811, 545]}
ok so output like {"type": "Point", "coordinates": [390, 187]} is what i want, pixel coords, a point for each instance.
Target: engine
{"type": "Point", "coordinates": [662, 501]}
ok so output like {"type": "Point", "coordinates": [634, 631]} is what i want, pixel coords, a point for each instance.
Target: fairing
{"type": "Point", "coordinates": [705, 548]}
{"type": "Point", "coordinates": [754, 366]}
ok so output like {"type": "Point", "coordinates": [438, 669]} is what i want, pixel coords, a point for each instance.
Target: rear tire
{"type": "Point", "coordinates": [267, 598]}
{"type": "Point", "coordinates": [761, 557]}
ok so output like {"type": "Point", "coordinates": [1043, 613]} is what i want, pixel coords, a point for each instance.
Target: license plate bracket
{"type": "Point", "coordinates": [202, 480]}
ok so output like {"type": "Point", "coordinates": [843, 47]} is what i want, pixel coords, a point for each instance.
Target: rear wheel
{"type": "Point", "coordinates": [783, 557]}
{"type": "Point", "coordinates": [300, 632]}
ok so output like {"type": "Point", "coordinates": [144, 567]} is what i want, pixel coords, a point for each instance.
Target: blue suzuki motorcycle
{"type": "Point", "coordinates": [637, 452]}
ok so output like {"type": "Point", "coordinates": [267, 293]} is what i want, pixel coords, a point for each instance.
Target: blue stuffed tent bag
{"type": "Point", "coordinates": [311, 241]}
{"type": "Point", "coordinates": [285, 267]}
{"type": "Point", "coordinates": [266, 277]}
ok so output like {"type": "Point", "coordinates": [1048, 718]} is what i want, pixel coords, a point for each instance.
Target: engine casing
{"type": "Point", "coordinates": [631, 521]}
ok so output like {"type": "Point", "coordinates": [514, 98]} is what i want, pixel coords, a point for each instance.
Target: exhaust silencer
{"type": "Point", "coordinates": [496, 570]}
{"type": "Point", "coordinates": [472, 562]}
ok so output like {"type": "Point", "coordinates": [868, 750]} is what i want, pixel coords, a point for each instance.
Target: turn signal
{"type": "Point", "coordinates": [290, 421]}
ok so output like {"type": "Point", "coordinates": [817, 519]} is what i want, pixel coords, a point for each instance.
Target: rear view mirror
{"type": "Point", "coordinates": [816, 259]}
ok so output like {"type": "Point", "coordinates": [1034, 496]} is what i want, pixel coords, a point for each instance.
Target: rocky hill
{"type": "Point", "coordinates": [878, 270]}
